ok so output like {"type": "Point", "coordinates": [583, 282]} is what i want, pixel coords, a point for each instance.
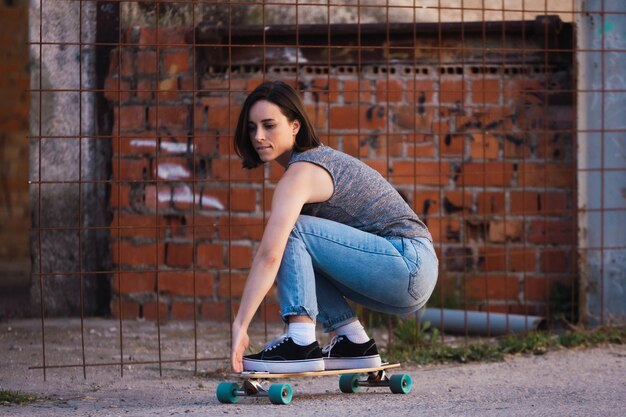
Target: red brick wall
{"type": "Point", "coordinates": [14, 199]}
{"type": "Point", "coordinates": [485, 157]}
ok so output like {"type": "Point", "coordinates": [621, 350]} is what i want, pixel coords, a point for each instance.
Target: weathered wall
{"type": "Point", "coordinates": [348, 11]}
{"type": "Point", "coordinates": [483, 152]}
{"type": "Point", "coordinates": [66, 158]}
{"type": "Point", "coordinates": [421, 11]}
{"type": "Point", "coordinates": [602, 156]}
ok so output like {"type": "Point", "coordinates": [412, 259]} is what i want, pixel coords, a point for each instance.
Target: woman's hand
{"type": "Point", "coordinates": [240, 343]}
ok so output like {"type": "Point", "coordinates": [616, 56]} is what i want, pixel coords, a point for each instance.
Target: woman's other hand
{"type": "Point", "coordinates": [240, 342]}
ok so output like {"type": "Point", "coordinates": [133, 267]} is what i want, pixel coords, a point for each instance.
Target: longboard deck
{"type": "Point", "coordinates": [254, 384]}
{"type": "Point", "coordinates": [268, 375]}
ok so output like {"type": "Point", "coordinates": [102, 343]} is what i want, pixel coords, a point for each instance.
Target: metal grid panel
{"type": "Point", "coordinates": [467, 107]}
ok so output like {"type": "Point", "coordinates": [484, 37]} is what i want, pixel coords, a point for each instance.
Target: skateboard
{"type": "Point", "coordinates": [257, 384]}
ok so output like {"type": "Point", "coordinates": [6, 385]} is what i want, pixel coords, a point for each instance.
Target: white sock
{"type": "Point", "coordinates": [354, 332]}
{"type": "Point", "coordinates": [302, 333]}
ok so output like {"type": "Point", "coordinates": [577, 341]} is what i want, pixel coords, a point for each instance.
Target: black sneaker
{"type": "Point", "coordinates": [283, 355]}
{"type": "Point", "coordinates": [341, 353]}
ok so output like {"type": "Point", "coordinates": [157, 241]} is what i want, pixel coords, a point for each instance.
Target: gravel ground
{"type": "Point", "coordinates": [579, 382]}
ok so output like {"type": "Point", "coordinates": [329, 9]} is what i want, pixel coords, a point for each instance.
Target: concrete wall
{"type": "Point", "coordinates": [63, 155]}
{"type": "Point", "coordinates": [373, 11]}
{"type": "Point", "coordinates": [318, 12]}
{"type": "Point", "coordinates": [602, 161]}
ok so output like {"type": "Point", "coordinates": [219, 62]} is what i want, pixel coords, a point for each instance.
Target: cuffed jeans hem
{"type": "Point", "coordinates": [338, 322]}
{"type": "Point", "coordinates": [297, 311]}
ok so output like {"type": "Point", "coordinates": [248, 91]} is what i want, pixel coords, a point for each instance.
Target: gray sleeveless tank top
{"type": "Point", "coordinates": [362, 198]}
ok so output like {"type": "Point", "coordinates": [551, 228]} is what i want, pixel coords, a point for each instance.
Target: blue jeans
{"type": "Point", "coordinates": [326, 262]}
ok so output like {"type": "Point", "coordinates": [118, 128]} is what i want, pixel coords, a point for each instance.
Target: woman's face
{"type": "Point", "coordinates": [271, 134]}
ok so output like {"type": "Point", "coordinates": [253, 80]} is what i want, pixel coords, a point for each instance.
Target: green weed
{"type": "Point", "coordinates": [423, 344]}
{"type": "Point", "coordinates": [8, 397]}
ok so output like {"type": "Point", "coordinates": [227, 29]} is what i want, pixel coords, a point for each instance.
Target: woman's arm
{"type": "Point", "coordinates": [301, 183]}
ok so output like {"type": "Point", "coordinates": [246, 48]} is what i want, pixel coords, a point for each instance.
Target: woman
{"type": "Point", "coordinates": [337, 230]}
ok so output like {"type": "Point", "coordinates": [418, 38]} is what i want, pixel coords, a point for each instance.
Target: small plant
{"type": "Point", "coordinates": [534, 342]}
{"type": "Point", "coordinates": [8, 397]}
{"type": "Point", "coordinates": [584, 337]}
{"type": "Point", "coordinates": [410, 333]}
{"type": "Point", "coordinates": [423, 344]}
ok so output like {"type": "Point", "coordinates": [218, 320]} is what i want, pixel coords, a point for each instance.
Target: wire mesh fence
{"type": "Point", "coordinates": [471, 109]}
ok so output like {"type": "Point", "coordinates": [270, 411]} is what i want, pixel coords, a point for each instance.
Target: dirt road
{"type": "Point", "coordinates": [581, 382]}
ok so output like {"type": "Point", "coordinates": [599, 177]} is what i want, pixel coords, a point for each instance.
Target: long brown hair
{"type": "Point", "coordinates": [290, 105]}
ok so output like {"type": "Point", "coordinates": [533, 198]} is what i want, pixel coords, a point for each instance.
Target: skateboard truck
{"type": "Point", "coordinates": [399, 384]}
{"type": "Point", "coordinates": [231, 392]}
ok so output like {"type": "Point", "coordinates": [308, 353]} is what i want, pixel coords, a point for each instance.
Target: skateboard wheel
{"type": "Point", "coordinates": [349, 383]}
{"type": "Point", "coordinates": [280, 393]}
{"type": "Point", "coordinates": [400, 384]}
{"type": "Point", "coordinates": [227, 392]}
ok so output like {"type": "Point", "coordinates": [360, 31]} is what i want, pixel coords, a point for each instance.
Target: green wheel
{"type": "Point", "coordinates": [227, 392]}
{"type": "Point", "coordinates": [400, 384]}
{"type": "Point", "coordinates": [349, 383]}
{"type": "Point", "coordinates": [280, 393]}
